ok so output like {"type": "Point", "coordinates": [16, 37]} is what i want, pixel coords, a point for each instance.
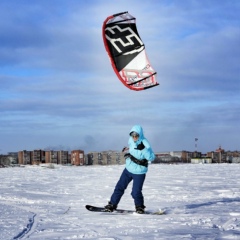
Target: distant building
{"type": "Point", "coordinates": [222, 156]}
{"type": "Point", "coordinates": [38, 157]}
{"type": "Point", "coordinates": [163, 158]}
{"type": "Point", "coordinates": [41, 156]}
{"type": "Point", "coordinates": [51, 157]}
{"type": "Point", "coordinates": [13, 157]}
{"type": "Point", "coordinates": [235, 160]}
{"type": "Point", "coordinates": [105, 158]}
{"type": "Point", "coordinates": [24, 157]}
{"type": "Point", "coordinates": [63, 157]}
{"type": "Point", "coordinates": [9, 159]}
{"type": "Point", "coordinates": [4, 160]}
{"type": "Point", "coordinates": [201, 160]}
{"type": "Point", "coordinates": [77, 157]}
{"type": "Point", "coordinates": [31, 157]}
{"type": "Point", "coordinates": [176, 156]}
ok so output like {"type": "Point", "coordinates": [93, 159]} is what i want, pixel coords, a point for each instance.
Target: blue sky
{"type": "Point", "coordinates": [58, 89]}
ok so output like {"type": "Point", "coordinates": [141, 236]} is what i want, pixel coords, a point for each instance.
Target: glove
{"type": "Point", "coordinates": [140, 146]}
{"type": "Point", "coordinates": [124, 149]}
{"type": "Point", "coordinates": [127, 155]}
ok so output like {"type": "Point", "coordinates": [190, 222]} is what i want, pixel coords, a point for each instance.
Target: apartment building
{"type": "Point", "coordinates": [176, 156]}
{"type": "Point", "coordinates": [38, 156]}
{"type": "Point", "coordinates": [51, 156]}
{"type": "Point", "coordinates": [222, 156]}
{"type": "Point", "coordinates": [105, 158]}
{"type": "Point", "coordinates": [63, 157]}
{"type": "Point", "coordinates": [77, 157]}
{"type": "Point", "coordinates": [24, 157]}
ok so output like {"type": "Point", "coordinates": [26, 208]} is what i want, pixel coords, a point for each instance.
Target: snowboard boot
{"type": "Point", "coordinates": [140, 209]}
{"type": "Point", "coordinates": [110, 207]}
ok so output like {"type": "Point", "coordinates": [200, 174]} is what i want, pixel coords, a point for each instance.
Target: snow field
{"type": "Point", "coordinates": [202, 202]}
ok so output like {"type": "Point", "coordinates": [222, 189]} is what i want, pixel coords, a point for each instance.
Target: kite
{"type": "Point", "coordinates": [127, 52]}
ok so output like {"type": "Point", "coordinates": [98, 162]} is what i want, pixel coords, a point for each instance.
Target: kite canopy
{"type": "Point", "coordinates": [127, 52]}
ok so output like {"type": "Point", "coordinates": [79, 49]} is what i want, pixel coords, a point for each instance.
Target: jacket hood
{"type": "Point", "coordinates": [138, 129]}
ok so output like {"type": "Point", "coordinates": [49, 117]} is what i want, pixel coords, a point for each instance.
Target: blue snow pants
{"type": "Point", "coordinates": [125, 179]}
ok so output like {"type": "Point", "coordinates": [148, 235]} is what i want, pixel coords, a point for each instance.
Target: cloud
{"type": "Point", "coordinates": [57, 86]}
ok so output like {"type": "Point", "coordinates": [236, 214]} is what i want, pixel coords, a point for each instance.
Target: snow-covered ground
{"type": "Point", "coordinates": [202, 202]}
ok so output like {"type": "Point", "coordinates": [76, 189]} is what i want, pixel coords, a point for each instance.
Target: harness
{"type": "Point", "coordinates": [143, 162]}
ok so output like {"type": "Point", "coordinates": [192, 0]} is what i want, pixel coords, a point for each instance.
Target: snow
{"type": "Point", "coordinates": [202, 201]}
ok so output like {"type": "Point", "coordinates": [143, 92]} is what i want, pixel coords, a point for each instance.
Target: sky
{"type": "Point", "coordinates": [59, 91]}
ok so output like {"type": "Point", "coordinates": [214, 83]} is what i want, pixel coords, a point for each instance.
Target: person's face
{"type": "Point", "coordinates": [135, 136]}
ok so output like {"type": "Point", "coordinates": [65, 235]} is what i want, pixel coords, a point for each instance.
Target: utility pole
{"type": "Point", "coordinates": [196, 139]}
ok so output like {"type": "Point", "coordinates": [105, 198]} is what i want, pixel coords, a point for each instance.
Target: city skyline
{"type": "Point", "coordinates": [58, 87]}
{"type": "Point", "coordinates": [59, 149]}
{"type": "Point", "coordinates": [79, 157]}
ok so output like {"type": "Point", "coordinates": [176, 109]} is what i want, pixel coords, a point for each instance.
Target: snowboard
{"type": "Point", "coordinates": [122, 211]}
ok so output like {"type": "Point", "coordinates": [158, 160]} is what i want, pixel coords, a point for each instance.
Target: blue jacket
{"type": "Point", "coordinates": [146, 153]}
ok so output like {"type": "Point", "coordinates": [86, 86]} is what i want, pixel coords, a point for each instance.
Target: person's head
{"type": "Point", "coordinates": [136, 133]}
{"type": "Point", "coordinates": [135, 136]}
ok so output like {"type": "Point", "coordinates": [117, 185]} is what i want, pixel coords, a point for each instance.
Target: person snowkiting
{"type": "Point", "coordinates": [137, 155]}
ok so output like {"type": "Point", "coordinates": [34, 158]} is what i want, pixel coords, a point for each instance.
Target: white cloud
{"type": "Point", "coordinates": [56, 78]}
